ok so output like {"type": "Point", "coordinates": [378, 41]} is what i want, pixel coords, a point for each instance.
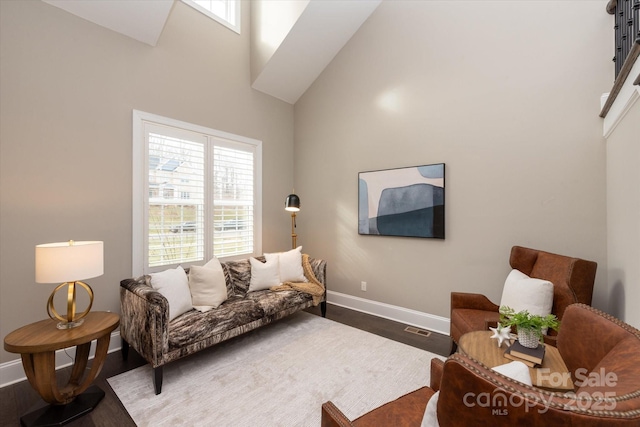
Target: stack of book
{"type": "Point", "coordinates": [531, 357]}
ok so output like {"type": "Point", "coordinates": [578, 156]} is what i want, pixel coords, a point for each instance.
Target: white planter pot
{"type": "Point", "coordinates": [528, 338]}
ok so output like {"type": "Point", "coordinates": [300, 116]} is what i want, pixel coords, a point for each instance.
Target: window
{"type": "Point", "coordinates": [226, 12]}
{"type": "Point", "coordinates": [202, 190]}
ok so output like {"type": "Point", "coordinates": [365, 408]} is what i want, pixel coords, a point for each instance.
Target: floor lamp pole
{"type": "Point", "coordinates": [294, 236]}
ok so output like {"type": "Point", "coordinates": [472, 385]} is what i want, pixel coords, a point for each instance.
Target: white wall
{"type": "Point", "coordinates": [68, 88]}
{"type": "Point", "coordinates": [507, 95]}
{"type": "Point", "coordinates": [623, 215]}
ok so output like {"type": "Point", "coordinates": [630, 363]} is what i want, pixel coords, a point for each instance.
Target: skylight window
{"type": "Point", "coordinates": [226, 12]}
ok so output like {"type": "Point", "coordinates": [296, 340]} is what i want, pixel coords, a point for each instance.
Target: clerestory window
{"type": "Point", "coordinates": [197, 193]}
{"type": "Point", "coordinates": [226, 12]}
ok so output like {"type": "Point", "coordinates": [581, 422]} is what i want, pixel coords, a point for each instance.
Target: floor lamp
{"type": "Point", "coordinates": [292, 204]}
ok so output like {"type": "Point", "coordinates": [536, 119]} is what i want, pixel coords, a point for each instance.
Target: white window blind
{"type": "Point", "coordinates": [175, 209]}
{"type": "Point", "coordinates": [233, 201]}
{"type": "Point", "coordinates": [196, 194]}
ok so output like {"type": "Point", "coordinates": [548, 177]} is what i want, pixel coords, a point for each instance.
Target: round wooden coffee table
{"type": "Point", "coordinates": [37, 344]}
{"type": "Point", "coordinates": [551, 375]}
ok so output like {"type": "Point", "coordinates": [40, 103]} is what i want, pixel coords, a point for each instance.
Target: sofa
{"type": "Point", "coordinates": [602, 355]}
{"type": "Point", "coordinates": [145, 321]}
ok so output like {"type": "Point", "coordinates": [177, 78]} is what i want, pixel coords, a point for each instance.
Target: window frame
{"type": "Point", "coordinates": [140, 193]}
{"type": "Point", "coordinates": [232, 26]}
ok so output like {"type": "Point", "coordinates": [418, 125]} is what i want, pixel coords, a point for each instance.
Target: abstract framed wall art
{"type": "Point", "coordinates": [405, 202]}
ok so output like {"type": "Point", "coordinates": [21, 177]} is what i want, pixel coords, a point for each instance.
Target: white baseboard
{"type": "Point", "coordinates": [12, 372]}
{"type": "Point", "coordinates": [392, 312]}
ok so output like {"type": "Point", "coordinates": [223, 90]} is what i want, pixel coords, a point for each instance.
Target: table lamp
{"type": "Point", "coordinates": [69, 262]}
{"type": "Point", "coordinates": [292, 204]}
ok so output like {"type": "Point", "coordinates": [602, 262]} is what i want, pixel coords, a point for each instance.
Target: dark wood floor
{"type": "Point", "coordinates": [19, 399]}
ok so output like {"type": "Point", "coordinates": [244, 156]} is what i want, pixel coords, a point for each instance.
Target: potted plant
{"type": "Point", "coordinates": [530, 326]}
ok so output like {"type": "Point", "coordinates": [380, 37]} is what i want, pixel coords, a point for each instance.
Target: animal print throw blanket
{"type": "Point", "coordinates": [312, 287]}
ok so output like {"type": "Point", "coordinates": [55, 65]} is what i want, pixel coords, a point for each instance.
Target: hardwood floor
{"type": "Point", "coordinates": [19, 399]}
{"type": "Point", "coordinates": [435, 343]}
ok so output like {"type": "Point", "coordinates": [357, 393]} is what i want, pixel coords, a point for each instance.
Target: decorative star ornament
{"type": "Point", "coordinates": [501, 333]}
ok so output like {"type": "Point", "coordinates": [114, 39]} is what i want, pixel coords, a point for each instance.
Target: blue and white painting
{"type": "Point", "coordinates": [402, 202]}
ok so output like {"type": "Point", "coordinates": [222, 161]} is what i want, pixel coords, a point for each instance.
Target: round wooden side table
{"type": "Point", "coordinates": [553, 375]}
{"type": "Point", "coordinates": [37, 344]}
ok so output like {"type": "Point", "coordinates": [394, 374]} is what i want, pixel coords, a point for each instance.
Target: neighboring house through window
{"type": "Point", "coordinates": [203, 194]}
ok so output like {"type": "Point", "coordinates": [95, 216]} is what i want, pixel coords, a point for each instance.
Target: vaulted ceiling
{"type": "Point", "coordinates": [318, 34]}
{"type": "Point", "coordinates": [142, 20]}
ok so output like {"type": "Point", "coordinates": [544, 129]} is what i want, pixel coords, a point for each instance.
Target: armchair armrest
{"type": "Point", "coordinates": [472, 301]}
{"type": "Point", "coordinates": [333, 417]}
{"type": "Point", "coordinates": [437, 367]}
{"type": "Point", "coordinates": [144, 320]}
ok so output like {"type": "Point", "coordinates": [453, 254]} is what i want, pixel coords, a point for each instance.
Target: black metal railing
{"type": "Point", "coordinates": [627, 28]}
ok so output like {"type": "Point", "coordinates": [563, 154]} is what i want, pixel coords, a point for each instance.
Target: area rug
{"type": "Point", "coordinates": [278, 375]}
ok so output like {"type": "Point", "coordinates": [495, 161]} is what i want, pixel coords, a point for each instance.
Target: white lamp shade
{"type": "Point", "coordinates": [69, 261]}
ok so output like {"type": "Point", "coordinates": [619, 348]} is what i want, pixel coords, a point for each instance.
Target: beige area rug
{"type": "Point", "coordinates": [278, 375]}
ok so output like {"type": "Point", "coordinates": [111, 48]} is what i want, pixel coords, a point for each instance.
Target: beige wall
{"type": "Point", "coordinates": [623, 217]}
{"type": "Point", "coordinates": [507, 95]}
{"type": "Point", "coordinates": [68, 88]}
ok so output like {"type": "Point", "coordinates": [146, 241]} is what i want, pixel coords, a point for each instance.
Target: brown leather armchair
{"type": "Point", "coordinates": [572, 278]}
{"type": "Point", "coordinates": [602, 355]}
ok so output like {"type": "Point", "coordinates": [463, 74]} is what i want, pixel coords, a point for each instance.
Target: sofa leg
{"type": "Point", "coordinates": [124, 349]}
{"type": "Point", "coordinates": [323, 308]}
{"type": "Point", "coordinates": [157, 379]}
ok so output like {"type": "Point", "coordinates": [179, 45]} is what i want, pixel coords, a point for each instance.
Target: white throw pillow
{"type": "Point", "coordinates": [214, 264]}
{"type": "Point", "coordinates": [263, 275]}
{"type": "Point", "coordinates": [174, 286]}
{"type": "Point", "coordinates": [290, 269]}
{"type": "Point", "coordinates": [208, 288]}
{"type": "Point", "coordinates": [430, 418]}
{"type": "Point", "coordinates": [516, 371]}
{"type": "Point", "coordinates": [521, 292]}
{"type": "Point", "coordinates": [513, 277]}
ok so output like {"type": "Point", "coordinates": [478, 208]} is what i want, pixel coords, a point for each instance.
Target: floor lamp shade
{"type": "Point", "coordinates": [292, 204]}
{"type": "Point", "coordinates": [69, 262]}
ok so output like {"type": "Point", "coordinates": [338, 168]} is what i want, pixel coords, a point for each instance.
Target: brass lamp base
{"type": "Point", "coordinates": [72, 320]}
